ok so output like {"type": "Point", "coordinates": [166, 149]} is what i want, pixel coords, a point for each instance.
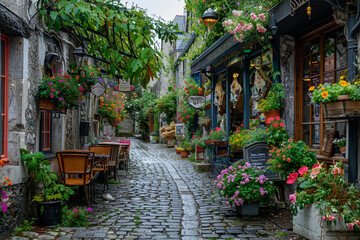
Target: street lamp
{"type": "Point", "coordinates": [210, 18]}
{"type": "Point", "coordinates": [79, 56]}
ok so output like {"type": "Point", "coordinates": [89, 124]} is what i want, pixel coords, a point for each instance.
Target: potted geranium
{"type": "Point", "coordinates": [246, 187]}
{"type": "Point", "coordinates": [60, 92]}
{"type": "Point", "coordinates": [198, 144]}
{"type": "Point", "coordinates": [49, 209]}
{"type": "Point", "coordinates": [271, 104]}
{"type": "Point", "coordinates": [341, 144]}
{"type": "Point", "coordinates": [185, 147]}
{"type": "Point", "coordinates": [277, 132]}
{"type": "Point", "coordinates": [323, 196]}
{"type": "Point", "coordinates": [218, 134]}
{"type": "Point", "coordinates": [289, 157]}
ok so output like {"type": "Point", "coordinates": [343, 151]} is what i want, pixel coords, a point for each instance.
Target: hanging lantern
{"type": "Point", "coordinates": [210, 18]}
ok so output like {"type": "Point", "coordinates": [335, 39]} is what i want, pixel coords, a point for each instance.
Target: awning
{"type": "Point", "coordinates": [11, 24]}
{"type": "Point", "coordinates": [300, 24]}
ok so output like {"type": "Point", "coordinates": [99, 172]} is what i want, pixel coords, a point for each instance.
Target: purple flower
{"type": "Point", "coordinates": [224, 7]}
{"type": "Point", "coordinates": [75, 210]}
{"type": "Point", "coordinates": [89, 209]}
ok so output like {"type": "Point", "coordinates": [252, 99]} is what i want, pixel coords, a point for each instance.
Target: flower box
{"type": "Point", "coordinates": [209, 142]}
{"type": "Point", "coordinates": [272, 113]}
{"type": "Point", "coordinates": [341, 109]}
{"type": "Point", "coordinates": [308, 224]}
{"type": "Point", "coordinates": [46, 104]}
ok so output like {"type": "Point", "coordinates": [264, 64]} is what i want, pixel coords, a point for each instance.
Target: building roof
{"type": "Point", "coordinates": [180, 21]}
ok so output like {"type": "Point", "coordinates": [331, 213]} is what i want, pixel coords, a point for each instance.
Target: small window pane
{"type": "Point", "coordinates": [306, 134]}
{"type": "Point", "coordinates": [341, 55]}
{"type": "Point", "coordinates": [315, 64]}
{"type": "Point", "coordinates": [341, 128]}
{"type": "Point", "coordinates": [316, 112]}
{"type": "Point", "coordinates": [46, 141]}
{"type": "Point", "coordinates": [306, 71]}
{"type": "Point", "coordinates": [306, 106]}
{"type": "Point", "coordinates": [329, 78]}
{"type": "Point", "coordinates": [316, 136]}
{"type": "Point", "coordinates": [312, 46]}
{"type": "Point", "coordinates": [329, 59]}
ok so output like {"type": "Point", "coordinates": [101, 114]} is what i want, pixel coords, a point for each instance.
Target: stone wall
{"type": "Point", "coordinates": [127, 125]}
{"type": "Point", "coordinates": [287, 63]}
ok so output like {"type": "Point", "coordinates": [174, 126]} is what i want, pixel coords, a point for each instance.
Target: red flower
{"type": "Point", "coordinates": [315, 166]}
{"type": "Point", "coordinates": [292, 178]}
{"type": "Point", "coordinates": [275, 125]}
{"type": "Point", "coordinates": [303, 170]}
{"type": "Point", "coordinates": [277, 118]}
{"type": "Point", "coordinates": [282, 124]}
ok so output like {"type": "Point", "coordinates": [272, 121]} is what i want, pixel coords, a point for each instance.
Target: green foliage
{"type": "Point", "coordinates": [277, 131]}
{"type": "Point", "coordinates": [290, 157]}
{"type": "Point", "coordinates": [26, 226]}
{"type": "Point", "coordinates": [272, 101]}
{"type": "Point", "coordinates": [244, 184]}
{"type": "Point", "coordinates": [167, 104]}
{"type": "Point", "coordinates": [218, 134]}
{"type": "Point", "coordinates": [123, 37]}
{"type": "Point", "coordinates": [340, 142]}
{"type": "Point", "coordinates": [75, 217]}
{"type": "Point", "coordinates": [113, 108]}
{"type": "Point", "coordinates": [40, 172]}
{"type": "Point", "coordinates": [327, 191]}
{"type": "Point", "coordinates": [154, 134]}
{"type": "Point", "coordinates": [244, 137]}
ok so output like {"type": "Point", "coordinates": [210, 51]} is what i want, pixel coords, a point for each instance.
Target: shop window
{"type": "Point", "coordinates": [45, 131]}
{"type": "Point", "coordinates": [323, 59]}
{"type": "Point", "coordinates": [4, 95]}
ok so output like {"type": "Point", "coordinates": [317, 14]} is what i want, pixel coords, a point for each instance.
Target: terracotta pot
{"type": "Point", "coordinates": [343, 97]}
{"type": "Point", "coordinates": [343, 149]}
{"type": "Point", "coordinates": [184, 154]}
{"type": "Point", "coordinates": [177, 151]}
{"type": "Point", "coordinates": [272, 113]}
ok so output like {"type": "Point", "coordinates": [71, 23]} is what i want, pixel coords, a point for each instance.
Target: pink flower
{"type": "Point", "coordinates": [262, 17]}
{"type": "Point", "coordinates": [330, 218]}
{"type": "Point", "coordinates": [253, 16]}
{"type": "Point", "coordinates": [335, 170]}
{"type": "Point", "coordinates": [303, 170]}
{"type": "Point", "coordinates": [315, 166]}
{"type": "Point", "coordinates": [75, 210]}
{"type": "Point", "coordinates": [292, 178]}
{"type": "Point", "coordinates": [314, 172]}
{"type": "Point", "coordinates": [351, 226]}
{"type": "Point", "coordinates": [81, 89]}
{"type": "Point", "coordinates": [89, 209]}
{"type": "Point", "coordinates": [323, 218]}
{"type": "Point", "coordinates": [53, 90]}
{"type": "Point", "coordinates": [277, 118]}
{"type": "Point", "coordinates": [275, 125]}
{"type": "Point", "coordinates": [281, 124]}
{"type": "Point", "coordinates": [292, 197]}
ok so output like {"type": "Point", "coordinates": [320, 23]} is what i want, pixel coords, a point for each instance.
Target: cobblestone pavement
{"type": "Point", "coordinates": [162, 197]}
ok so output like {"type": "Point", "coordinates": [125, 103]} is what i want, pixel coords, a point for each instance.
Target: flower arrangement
{"type": "Point", "coordinates": [197, 142]}
{"type": "Point", "coordinates": [340, 142]}
{"type": "Point", "coordinates": [277, 132]}
{"type": "Point", "coordinates": [250, 21]}
{"type": "Point", "coordinates": [186, 145]}
{"type": "Point", "coordinates": [218, 134]}
{"type": "Point", "coordinates": [62, 90]}
{"type": "Point", "coordinates": [243, 137]}
{"type": "Point", "coordinates": [272, 101]}
{"type": "Point", "coordinates": [112, 107]}
{"type": "Point", "coordinates": [289, 157]}
{"type": "Point", "coordinates": [75, 217]}
{"type": "Point", "coordinates": [3, 196]}
{"type": "Point", "coordinates": [192, 88]}
{"type": "Point", "coordinates": [244, 184]}
{"type": "Point", "coordinates": [185, 112]}
{"type": "Point", "coordinates": [328, 192]}
{"type": "Point", "coordinates": [330, 92]}
{"type": "Point", "coordinates": [87, 75]}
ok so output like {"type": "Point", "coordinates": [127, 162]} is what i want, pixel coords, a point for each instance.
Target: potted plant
{"type": "Point", "coordinates": [112, 108]}
{"type": "Point", "coordinates": [271, 104]}
{"type": "Point", "coordinates": [277, 132]}
{"type": "Point", "coordinates": [154, 137]}
{"type": "Point", "coordinates": [198, 144]}
{"type": "Point", "coordinates": [218, 134]}
{"type": "Point", "coordinates": [323, 196]}
{"type": "Point", "coordinates": [185, 147]}
{"type": "Point", "coordinates": [341, 99]}
{"type": "Point", "coordinates": [60, 92]}
{"type": "Point", "coordinates": [289, 157]}
{"type": "Point", "coordinates": [246, 187]}
{"type": "Point", "coordinates": [341, 144]}
{"type": "Point", "coordinates": [50, 198]}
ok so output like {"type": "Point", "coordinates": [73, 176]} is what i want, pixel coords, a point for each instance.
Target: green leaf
{"type": "Point", "coordinates": [139, 39]}
{"type": "Point", "coordinates": [42, 11]}
{"type": "Point", "coordinates": [68, 8]}
{"type": "Point", "coordinates": [53, 15]}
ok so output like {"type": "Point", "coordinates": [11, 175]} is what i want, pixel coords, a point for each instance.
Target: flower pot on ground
{"type": "Point", "coordinates": [49, 213]}
{"type": "Point", "coordinates": [184, 153]}
{"type": "Point", "coordinates": [177, 150]}
{"type": "Point", "coordinates": [248, 209]}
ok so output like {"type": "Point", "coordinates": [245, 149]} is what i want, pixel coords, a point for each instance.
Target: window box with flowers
{"type": "Point", "coordinates": [245, 187]}
{"type": "Point", "coordinates": [340, 100]}
{"type": "Point", "coordinates": [60, 93]}
{"type": "Point", "coordinates": [324, 205]}
{"type": "Point", "coordinates": [271, 104]}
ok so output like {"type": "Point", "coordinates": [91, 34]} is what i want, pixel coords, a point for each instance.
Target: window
{"type": "Point", "coordinates": [4, 95]}
{"type": "Point", "coordinates": [323, 59]}
{"type": "Point", "coordinates": [45, 131]}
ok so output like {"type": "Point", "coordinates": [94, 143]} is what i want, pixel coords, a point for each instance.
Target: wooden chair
{"type": "Point", "coordinates": [114, 159]}
{"type": "Point", "coordinates": [75, 168]}
{"type": "Point", "coordinates": [101, 160]}
{"type": "Point", "coordinates": [220, 160]}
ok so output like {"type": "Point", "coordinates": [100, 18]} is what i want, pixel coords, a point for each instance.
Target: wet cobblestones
{"type": "Point", "coordinates": [162, 197]}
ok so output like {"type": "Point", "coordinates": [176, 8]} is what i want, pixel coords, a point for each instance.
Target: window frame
{"type": "Point", "coordinates": [42, 132]}
{"type": "Point", "coordinates": [299, 81]}
{"type": "Point", "coordinates": [5, 104]}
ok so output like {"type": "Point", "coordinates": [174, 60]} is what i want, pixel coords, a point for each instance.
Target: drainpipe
{"type": "Point", "coordinates": [353, 26]}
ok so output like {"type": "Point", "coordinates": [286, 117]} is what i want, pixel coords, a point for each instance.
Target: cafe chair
{"type": "Point", "coordinates": [221, 157]}
{"type": "Point", "coordinates": [114, 159]}
{"type": "Point", "coordinates": [102, 154]}
{"type": "Point", "coordinates": [75, 169]}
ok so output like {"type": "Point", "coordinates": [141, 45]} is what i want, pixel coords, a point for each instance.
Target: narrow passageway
{"type": "Point", "coordinates": [163, 197]}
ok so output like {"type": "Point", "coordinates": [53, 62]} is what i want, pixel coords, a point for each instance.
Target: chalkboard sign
{"type": "Point", "coordinates": [179, 130]}
{"type": "Point", "coordinates": [257, 154]}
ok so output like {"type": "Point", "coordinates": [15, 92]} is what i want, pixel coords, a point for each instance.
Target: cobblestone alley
{"type": "Point", "coordinates": [162, 197]}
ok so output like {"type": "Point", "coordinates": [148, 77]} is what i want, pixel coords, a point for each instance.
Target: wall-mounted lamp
{"type": "Point", "coordinates": [50, 59]}
{"type": "Point", "coordinates": [274, 27]}
{"type": "Point", "coordinates": [210, 18]}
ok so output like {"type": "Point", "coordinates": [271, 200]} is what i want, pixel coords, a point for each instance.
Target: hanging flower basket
{"type": "Point", "coordinates": [46, 104]}
{"type": "Point", "coordinates": [341, 109]}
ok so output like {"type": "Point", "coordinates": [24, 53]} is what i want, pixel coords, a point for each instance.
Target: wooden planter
{"type": "Point", "coordinates": [209, 142]}
{"type": "Point", "coordinates": [46, 104]}
{"type": "Point", "coordinates": [184, 154]}
{"type": "Point", "coordinates": [272, 113]}
{"type": "Point", "coordinates": [308, 224]}
{"type": "Point", "coordinates": [341, 109]}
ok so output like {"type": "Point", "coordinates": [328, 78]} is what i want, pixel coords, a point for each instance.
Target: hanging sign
{"type": "Point", "coordinates": [197, 101]}
{"type": "Point", "coordinates": [124, 86]}
{"type": "Point", "coordinates": [98, 89]}
{"type": "Point", "coordinates": [235, 90]}
{"type": "Point", "coordinates": [179, 130]}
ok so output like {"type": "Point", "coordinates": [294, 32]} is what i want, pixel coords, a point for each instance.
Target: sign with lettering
{"type": "Point", "coordinates": [124, 85]}
{"type": "Point", "coordinates": [179, 130]}
{"type": "Point", "coordinates": [98, 89]}
{"type": "Point", "coordinates": [197, 101]}
{"type": "Point", "coordinates": [257, 154]}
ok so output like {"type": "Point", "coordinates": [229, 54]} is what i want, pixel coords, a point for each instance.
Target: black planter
{"type": "Point", "coordinates": [49, 213]}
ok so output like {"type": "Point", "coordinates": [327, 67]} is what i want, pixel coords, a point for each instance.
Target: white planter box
{"type": "Point", "coordinates": [308, 223]}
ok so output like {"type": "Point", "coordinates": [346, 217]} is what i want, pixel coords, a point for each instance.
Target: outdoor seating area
{"type": "Point", "coordinates": [102, 160]}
